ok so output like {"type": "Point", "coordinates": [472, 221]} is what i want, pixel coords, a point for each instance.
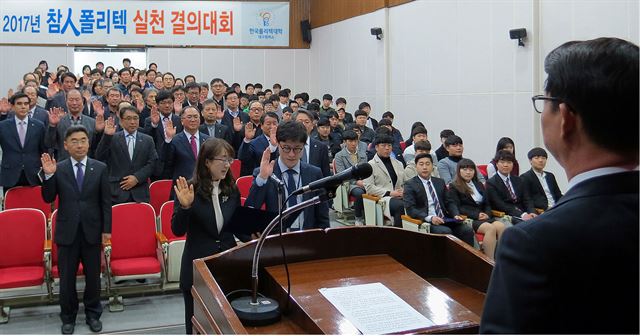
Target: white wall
{"type": "Point", "coordinates": [451, 64]}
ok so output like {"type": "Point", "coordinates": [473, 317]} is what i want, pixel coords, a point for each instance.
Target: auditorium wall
{"type": "Point", "coordinates": [451, 64]}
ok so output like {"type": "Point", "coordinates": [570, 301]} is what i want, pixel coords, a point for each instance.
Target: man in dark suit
{"type": "Point", "coordinates": [315, 152]}
{"type": "Point", "coordinates": [234, 118]}
{"type": "Point", "coordinates": [211, 126]}
{"type": "Point", "coordinates": [574, 269]}
{"type": "Point", "coordinates": [59, 99]}
{"type": "Point", "coordinates": [84, 217]}
{"type": "Point", "coordinates": [424, 198]}
{"type": "Point", "coordinates": [35, 112]}
{"type": "Point", "coordinates": [130, 156]}
{"type": "Point", "coordinates": [540, 184]}
{"type": "Point", "coordinates": [507, 193]}
{"type": "Point", "coordinates": [291, 136]}
{"type": "Point", "coordinates": [155, 126]}
{"type": "Point", "coordinates": [180, 150]}
{"type": "Point", "coordinates": [59, 122]}
{"type": "Point", "coordinates": [254, 144]}
{"type": "Point", "coordinates": [22, 142]}
{"type": "Point", "coordinates": [193, 96]}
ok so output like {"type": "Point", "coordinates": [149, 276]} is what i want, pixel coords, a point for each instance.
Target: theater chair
{"type": "Point", "coordinates": [159, 192]}
{"type": "Point", "coordinates": [414, 224]}
{"type": "Point", "coordinates": [244, 185]}
{"type": "Point", "coordinates": [29, 197]}
{"type": "Point", "coordinates": [342, 202]}
{"type": "Point", "coordinates": [55, 273]}
{"type": "Point", "coordinates": [236, 165]}
{"type": "Point", "coordinates": [172, 246]}
{"type": "Point", "coordinates": [483, 170]}
{"type": "Point", "coordinates": [373, 210]}
{"type": "Point", "coordinates": [503, 217]}
{"type": "Point", "coordinates": [25, 255]}
{"type": "Point", "coordinates": [133, 252]}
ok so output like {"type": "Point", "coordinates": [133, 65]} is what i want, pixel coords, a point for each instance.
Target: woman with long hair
{"type": "Point", "coordinates": [505, 143]}
{"type": "Point", "coordinates": [203, 206]}
{"type": "Point", "coordinates": [467, 197]}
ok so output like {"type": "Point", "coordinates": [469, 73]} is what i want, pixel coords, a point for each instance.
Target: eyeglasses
{"type": "Point", "coordinates": [136, 118]}
{"type": "Point", "coordinates": [538, 102]}
{"type": "Point", "coordinates": [287, 149]}
{"type": "Point", "coordinates": [228, 161]}
{"type": "Point", "coordinates": [257, 109]}
{"type": "Point", "coordinates": [190, 117]}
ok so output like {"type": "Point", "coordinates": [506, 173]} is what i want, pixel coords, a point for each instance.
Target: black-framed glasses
{"type": "Point", "coordinates": [538, 102]}
{"type": "Point", "coordinates": [287, 149]}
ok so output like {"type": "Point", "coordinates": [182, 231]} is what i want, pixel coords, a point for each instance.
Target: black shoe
{"type": "Point", "coordinates": [94, 325]}
{"type": "Point", "coordinates": [67, 328]}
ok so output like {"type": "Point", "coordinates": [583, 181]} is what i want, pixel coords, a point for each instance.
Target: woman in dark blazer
{"type": "Point", "coordinates": [466, 196]}
{"type": "Point", "coordinates": [197, 214]}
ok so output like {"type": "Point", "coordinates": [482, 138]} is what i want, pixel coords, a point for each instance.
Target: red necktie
{"type": "Point", "coordinates": [194, 146]}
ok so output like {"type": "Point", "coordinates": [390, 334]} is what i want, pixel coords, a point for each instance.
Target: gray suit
{"type": "Point", "coordinates": [113, 151]}
{"type": "Point", "coordinates": [343, 162]}
{"type": "Point", "coordinates": [54, 136]}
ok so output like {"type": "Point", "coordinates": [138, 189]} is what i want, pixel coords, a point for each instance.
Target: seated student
{"type": "Point", "coordinates": [396, 149]}
{"type": "Point", "coordinates": [350, 156]}
{"type": "Point", "coordinates": [507, 193]}
{"type": "Point", "coordinates": [441, 152]}
{"type": "Point", "coordinates": [447, 166]}
{"type": "Point", "coordinates": [395, 152]}
{"type": "Point", "coordinates": [397, 136]}
{"type": "Point", "coordinates": [541, 185]}
{"type": "Point", "coordinates": [508, 145]}
{"type": "Point", "coordinates": [424, 198]}
{"type": "Point", "coordinates": [417, 134]}
{"type": "Point", "coordinates": [254, 145]}
{"type": "Point", "coordinates": [466, 196]}
{"type": "Point", "coordinates": [291, 137]}
{"type": "Point", "coordinates": [409, 141]}
{"type": "Point", "coordinates": [366, 134]}
{"type": "Point", "coordinates": [421, 147]}
{"type": "Point", "coordinates": [324, 136]}
{"type": "Point", "coordinates": [362, 146]}
{"type": "Point", "coordinates": [387, 178]}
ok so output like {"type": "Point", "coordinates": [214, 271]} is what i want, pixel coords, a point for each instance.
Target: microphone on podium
{"type": "Point", "coordinates": [259, 310]}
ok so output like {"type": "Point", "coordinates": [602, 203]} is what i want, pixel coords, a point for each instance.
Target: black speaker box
{"type": "Point", "coordinates": [305, 27]}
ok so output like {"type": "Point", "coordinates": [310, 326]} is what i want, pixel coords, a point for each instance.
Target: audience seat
{"type": "Point", "coordinates": [342, 202]}
{"type": "Point", "coordinates": [403, 145]}
{"type": "Point", "coordinates": [503, 217]}
{"type": "Point", "coordinates": [29, 197]}
{"type": "Point", "coordinates": [159, 192]}
{"type": "Point", "coordinates": [483, 170]}
{"type": "Point", "coordinates": [133, 252]}
{"type": "Point", "coordinates": [414, 224]}
{"type": "Point", "coordinates": [244, 185]}
{"type": "Point", "coordinates": [373, 210]}
{"type": "Point", "coordinates": [172, 246]}
{"type": "Point", "coordinates": [236, 166]}
{"type": "Point", "coordinates": [55, 273]}
{"type": "Point", "coordinates": [25, 255]}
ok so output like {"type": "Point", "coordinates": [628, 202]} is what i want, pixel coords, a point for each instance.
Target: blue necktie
{"type": "Point", "coordinates": [79, 175]}
{"type": "Point", "coordinates": [435, 201]}
{"type": "Point", "coordinates": [291, 187]}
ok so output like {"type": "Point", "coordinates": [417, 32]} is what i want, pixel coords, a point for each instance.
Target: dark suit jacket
{"type": "Point", "coordinates": [113, 151]}
{"type": "Point", "coordinates": [314, 217]}
{"type": "Point", "coordinates": [16, 158]}
{"type": "Point", "coordinates": [178, 156]}
{"type": "Point", "coordinates": [199, 224]}
{"type": "Point", "coordinates": [251, 153]}
{"type": "Point", "coordinates": [157, 134]}
{"type": "Point", "coordinates": [221, 132]}
{"type": "Point", "coordinates": [500, 199]}
{"type": "Point", "coordinates": [89, 208]}
{"type": "Point", "coordinates": [319, 156]}
{"type": "Point", "coordinates": [54, 136]}
{"type": "Point", "coordinates": [573, 269]}
{"type": "Point", "coordinates": [459, 203]}
{"type": "Point", "coordinates": [415, 198]}
{"type": "Point", "coordinates": [237, 137]}
{"type": "Point", "coordinates": [534, 188]}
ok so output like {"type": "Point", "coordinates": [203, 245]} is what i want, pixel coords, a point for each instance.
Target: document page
{"type": "Point", "coordinates": [374, 309]}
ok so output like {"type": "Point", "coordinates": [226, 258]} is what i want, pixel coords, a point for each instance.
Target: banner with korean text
{"type": "Point", "coordinates": [133, 22]}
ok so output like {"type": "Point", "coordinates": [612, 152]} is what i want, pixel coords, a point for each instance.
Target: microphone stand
{"type": "Point", "coordinates": [250, 310]}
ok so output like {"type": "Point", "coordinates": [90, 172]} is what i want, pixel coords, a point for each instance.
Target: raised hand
{"type": "Point", "coordinates": [10, 93]}
{"type": "Point", "coordinates": [237, 124]}
{"type": "Point", "coordinates": [52, 90]}
{"type": "Point", "coordinates": [266, 164]}
{"type": "Point", "coordinates": [155, 115]}
{"type": "Point", "coordinates": [272, 136]}
{"type": "Point", "coordinates": [139, 104]}
{"type": "Point", "coordinates": [52, 78]}
{"type": "Point", "coordinates": [177, 107]}
{"type": "Point", "coordinates": [55, 114]}
{"type": "Point", "coordinates": [184, 192]}
{"type": "Point", "coordinates": [48, 164]}
{"type": "Point", "coordinates": [127, 98]}
{"type": "Point", "coordinates": [249, 132]}
{"type": "Point", "coordinates": [169, 130]}
{"type": "Point", "coordinates": [109, 126]}
{"type": "Point", "coordinates": [5, 107]}
{"type": "Point", "coordinates": [100, 122]}
{"type": "Point", "coordinates": [86, 94]}
{"type": "Point", "coordinates": [98, 108]}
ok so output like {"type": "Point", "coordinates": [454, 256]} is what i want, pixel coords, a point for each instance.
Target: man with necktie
{"type": "Point", "coordinates": [181, 150]}
{"type": "Point", "coordinates": [507, 193]}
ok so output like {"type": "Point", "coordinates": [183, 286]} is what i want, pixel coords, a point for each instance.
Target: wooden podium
{"type": "Point", "coordinates": [440, 276]}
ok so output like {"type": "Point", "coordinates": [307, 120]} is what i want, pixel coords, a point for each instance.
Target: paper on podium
{"type": "Point", "coordinates": [375, 309]}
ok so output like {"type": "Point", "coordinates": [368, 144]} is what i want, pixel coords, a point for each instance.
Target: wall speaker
{"type": "Point", "coordinates": [305, 27]}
